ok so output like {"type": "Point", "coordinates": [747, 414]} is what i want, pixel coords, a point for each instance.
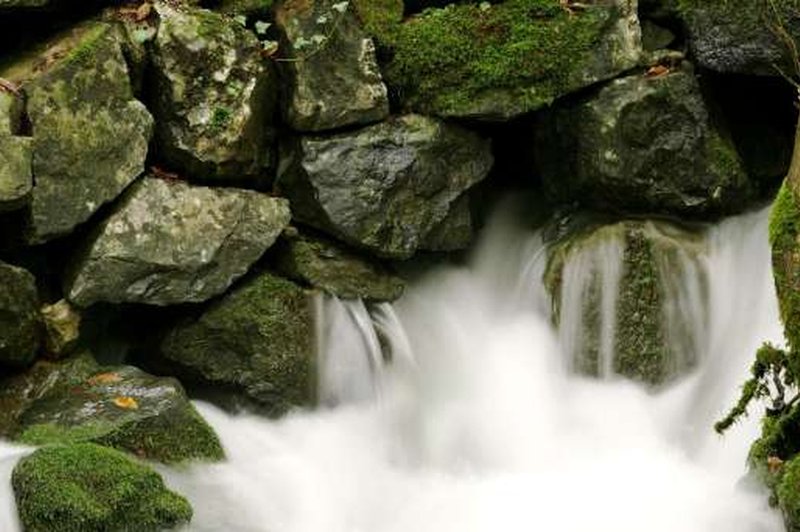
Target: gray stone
{"type": "Point", "coordinates": [16, 179]}
{"type": "Point", "coordinates": [169, 242]}
{"type": "Point", "coordinates": [335, 81]}
{"type": "Point", "coordinates": [20, 325]}
{"type": "Point", "coordinates": [384, 187]}
{"type": "Point", "coordinates": [214, 95]}
{"type": "Point", "coordinates": [256, 342]}
{"type": "Point", "coordinates": [62, 323]}
{"type": "Point", "coordinates": [90, 135]}
{"type": "Point", "coordinates": [641, 144]}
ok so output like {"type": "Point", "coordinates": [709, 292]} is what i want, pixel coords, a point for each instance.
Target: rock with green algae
{"type": "Point", "coordinates": [170, 242]}
{"type": "Point", "coordinates": [385, 187]}
{"type": "Point", "coordinates": [257, 342]}
{"type": "Point", "coordinates": [784, 236]}
{"type": "Point", "coordinates": [616, 293]}
{"type": "Point", "coordinates": [90, 135]}
{"type": "Point", "coordinates": [741, 36]}
{"type": "Point", "coordinates": [497, 61]}
{"type": "Point", "coordinates": [641, 144]}
{"type": "Point", "coordinates": [20, 323]}
{"type": "Point", "coordinates": [331, 73]}
{"type": "Point", "coordinates": [123, 407]}
{"type": "Point", "coordinates": [89, 488]}
{"type": "Point", "coordinates": [214, 95]}
{"type": "Point", "coordinates": [331, 267]}
{"type": "Point", "coordinates": [16, 176]}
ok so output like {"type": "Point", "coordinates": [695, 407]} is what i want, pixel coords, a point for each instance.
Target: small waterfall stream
{"type": "Point", "coordinates": [476, 423]}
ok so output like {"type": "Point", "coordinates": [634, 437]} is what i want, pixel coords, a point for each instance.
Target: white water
{"type": "Point", "coordinates": [477, 425]}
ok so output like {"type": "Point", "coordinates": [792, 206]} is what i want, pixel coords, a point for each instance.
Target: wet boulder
{"type": "Point", "coordinates": [385, 187]}
{"type": "Point", "coordinates": [92, 488]}
{"type": "Point", "coordinates": [334, 269]}
{"type": "Point", "coordinates": [641, 144]}
{"type": "Point", "coordinates": [620, 301]}
{"type": "Point", "coordinates": [120, 406]}
{"type": "Point", "coordinates": [170, 242]}
{"type": "Point", "coordinates": [90, 135]}
{"type": "Point", "coordinates": [500, 60]}
{"type": "Point", "coordinates": [213, 95]}
{"type": "Point", "coordinates": [257, 342]}
{"type": "Point", "coordinates": [332, 74]}
{"type": "Point", "coordinates": [20, 323]}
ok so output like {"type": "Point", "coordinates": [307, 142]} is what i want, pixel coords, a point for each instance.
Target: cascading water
{"type": "Point", "coordinates": [477, 424]}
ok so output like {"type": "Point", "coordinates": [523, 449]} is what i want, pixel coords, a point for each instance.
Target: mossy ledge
{"type": "Point", "coordinates": [784, 228]}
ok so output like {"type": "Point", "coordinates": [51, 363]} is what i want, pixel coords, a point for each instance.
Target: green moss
{"type": "Point", "coordinates": [220, 119]}
{"type": "Point", "coordinates": [783, 233]}
{"type": "Point", "coordinates": [445, 58]}
{"type": "Point", "coordinates": [90, 488]}
{"type": "Point", "coordinates": [381, 18]}
{"type": "Point", "coordinates": [788, 493]}
{"type": "Point", "coordinates": [86, 48]}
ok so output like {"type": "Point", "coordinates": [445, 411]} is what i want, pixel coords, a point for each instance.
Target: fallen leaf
{"type": "Point", "coordinates": [163, 174]}
{"type": "Point", "coordinates": [143, 11]}
{"type": "Point", "coordinates": [657, 71]}
{"type": "Point", "coordinates": [128, 403]}
{"type": "Point", "coordinates": [774, 464]}
{"type": "Point", "coordinates": [104, 378]}
{"type": "Point", "coordinates": [9, 86]}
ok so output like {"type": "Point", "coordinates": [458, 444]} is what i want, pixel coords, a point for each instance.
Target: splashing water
{"type": "Point", "coordinates": [477, 424]}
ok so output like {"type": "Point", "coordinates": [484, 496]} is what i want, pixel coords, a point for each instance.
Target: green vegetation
{"type": "Point", "coordinates": [89, 488]}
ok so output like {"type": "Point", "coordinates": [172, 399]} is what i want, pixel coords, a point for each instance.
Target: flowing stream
{"type": "Point", "coordinates": [477, 424]}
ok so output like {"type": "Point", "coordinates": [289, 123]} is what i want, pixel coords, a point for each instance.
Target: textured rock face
{"type": "Point", "coordinates": [334, 82]}
{"type": "Point", "coordinates": [170, 242]}
{"type": "Point", "coordinates": [384, 187]}
{"type": "Point", "coordinates": [20, 325]}
{"type": "Point", "coordinates": [90, 488]}
{"type": "Point", "coordinates": [16, 178]}
{"type": "Point", "coordinates": [497, 61]}
{"type": "Point", "coordinates": [641, 145]}
{"type": "Point", "coordinates": [214, 95]}
{"type": "Point", "coordinates": [257, 341]}
{"type": "Point", "coordinates": [739, 37]}
{"type": "Point", "coordinates": [62, 325]}
{"type": "Point", "coordinates": [89, 135]}
{"type": "Point", "coordinates": [640, 270]}
{"type": "Point", "coordinates": [335, 270]}
{"type": "Point", "coordinates": [120, 407]}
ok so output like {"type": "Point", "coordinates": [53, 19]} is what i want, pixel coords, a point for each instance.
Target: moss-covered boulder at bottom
{"type": "Point", "coordinates": [784, 236]}
{"type": "Point", "coordinates": [496, 61]}
{"type": "Point", "coordinates": [89, 488]}
{"type": "Point", "coordinates": [619, 303]}
{"type": "Point", "coordinates": [256, 344]}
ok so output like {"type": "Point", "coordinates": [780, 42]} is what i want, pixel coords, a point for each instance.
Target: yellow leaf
{"type": "Point", "coordinates": [129, 403]}
{"type": "Point", "coordinates": [105, 378]}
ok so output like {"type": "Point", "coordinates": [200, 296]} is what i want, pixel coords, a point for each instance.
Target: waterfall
{"type": "Point", "coordinates": [456, 408]}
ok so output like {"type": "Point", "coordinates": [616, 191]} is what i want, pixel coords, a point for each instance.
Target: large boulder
{"type": "Point", "coordinates": [497, 61]}
{"type": "Point", "coordinates": [90, 135]}
{"type": "Point", "coordinates": [332, 75]}
{"type": "Point", "coordinates": [742, 37]}
{"type": "Point", "coordinates": [16, 175]}
{"type": "Point", "coordinates": [93, 489]}
{"type": "Point", "coordinates": [256, 342]}
{"type": "Point", "coordinates": [641, 144]}
{"type": "Point", "coordinates": [62, 324]}
{"type": "Point", "coordinates": [120, 406]}
{"type": "Point", "coordinates": [620, 300]}
{"type": "Point", "coordinates": [213, 95]}
{"type": "Point", "coordinates": [385, 187]}
{"type": "Point", "coordinates": [169, 242]}
{"type": "Point", "coordinates": [20, 324]}
{"type": "Point", "coordinates": [323, 264]}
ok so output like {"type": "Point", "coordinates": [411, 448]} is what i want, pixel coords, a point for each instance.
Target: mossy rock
{"type": "Point", "coordinates": [20, 324]}
{"type": "Point", "coordinates": [497, 61]}
{"type": "Point", "coordinates": [788, 494]}
{"type": "Point", "coordinates": [255, 344]}
{"type": "Point", "coordinates": [616, 296]}
{"type": "Point", "coordinates": [89, 488]}
{"type": "Point", "coordinates": [784, 237]}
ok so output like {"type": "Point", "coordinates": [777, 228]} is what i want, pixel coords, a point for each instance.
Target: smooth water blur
{"type": "Point", "coordinates": [478, 425]}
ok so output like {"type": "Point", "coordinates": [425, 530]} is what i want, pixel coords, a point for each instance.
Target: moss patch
{"type": "Point", "coordinates": [784, 228]}
{"type": "Point", "coordinates": [91, 488]}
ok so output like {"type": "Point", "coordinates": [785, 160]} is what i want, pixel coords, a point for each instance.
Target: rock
{"type": "Point", "coordinates": [641, 144]}
{"type": "Point", "coordinates": [497, 61]}
{"type": "Point", "coordinates": [384, 187]}
{"type": "Point", "coordinates": [121, 407]}
{"type": "Point", "coordinates": [20, 325]}
{"type": "Point", "coordinates": [738, 37]}
{"type": "Point", "coordinates": [11, 109]}
{"type": "Point", "coordinates": [90, 135]}
{"type": "Point", "coordinates": [169, 242]}
{"type": "Point", "coordinates": [62, 325]}
{"type": "Point", "coordinates": [257, 341]}
{"type": "Point", "coordinates": [16, 178]}
{"type": "Point", "coordinates": [214, 95]}
{"type": "Point", "coordinates": [655, 37]}
{"type": "Point", "coordinates": [333, 269]}
{"type": "Point", "coordinates": [784, 236]}
{"type": "Point", "coordinates": [256, 9]}
{"type": "Point", "coordinates": [454, 232]}
{"type": "Point", "coordinates": [91, 488]}
{"type": "Point", "coordinates": [332, 77]}
{"type": "Point", "coordinates": [620, 300]}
